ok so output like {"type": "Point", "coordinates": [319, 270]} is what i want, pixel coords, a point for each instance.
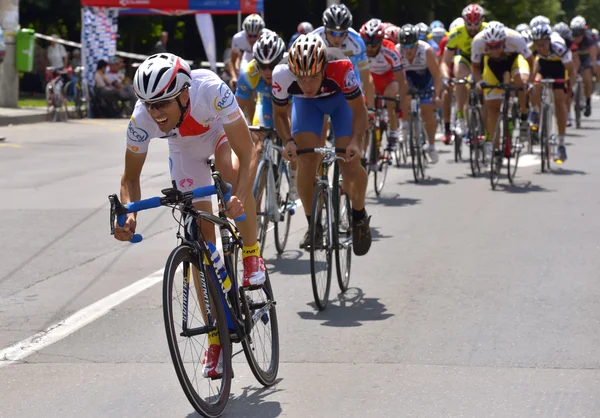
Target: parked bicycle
{"type": "Point", "coordinates": [77, 91]}
{"type": "Point", "coordinates": [210, 298]}
{"type": "Point", "coordinates": [55, 97]}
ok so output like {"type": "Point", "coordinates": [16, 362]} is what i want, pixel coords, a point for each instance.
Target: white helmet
{"type": "Point", "coordinates": [457, 22]}
{"type": "Point", "coordinates": [253, 24]}
{"type": "Point", "coordinates": [494, 32]}
{"type": "Point", "coordinates": [161, 77]}
{"type": "Point", "coordinates": [539, 20]}
{"type": "Point", "coordinates": [268, 49]}
{"type": "Point", "coordinates": [578, 25]}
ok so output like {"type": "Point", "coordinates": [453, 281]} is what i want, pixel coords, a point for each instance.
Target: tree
{"type": "Point", "coordinates": [513, 12]}
{"type": "Point", "coordinates": [590, 9]}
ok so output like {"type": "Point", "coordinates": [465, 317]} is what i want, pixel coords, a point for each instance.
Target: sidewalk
{"type": "Point", "coordinates": [12, 116]}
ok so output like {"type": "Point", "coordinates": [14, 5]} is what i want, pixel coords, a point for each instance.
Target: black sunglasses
{"type": "Point", "coordinates": [270, 66]}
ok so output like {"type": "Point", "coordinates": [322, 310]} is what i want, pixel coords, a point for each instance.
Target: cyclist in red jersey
{"type": "Point", "coordinates": [323, 82]}
{"type": "Point", "coordinates": [385, 65]}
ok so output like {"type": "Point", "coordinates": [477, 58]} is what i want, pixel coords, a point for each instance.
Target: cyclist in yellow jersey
{"type": "Point", "coordinates": [499, 50]}
{"type": "Point", "coordinates": [460, 38]}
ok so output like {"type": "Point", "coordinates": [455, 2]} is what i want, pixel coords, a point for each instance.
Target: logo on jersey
{"type": "Point", "coordinates": [276, 87]}
{"type": "Point", "coordinates": [225, 98]}
{"type": "Point", "coordinates": [136, 134]}
{"type": "Point", "coordinates": [350, 81]}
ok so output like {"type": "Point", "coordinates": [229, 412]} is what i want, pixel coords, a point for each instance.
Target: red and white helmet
{"type": "Point", "coordinates": [473, 15]}
{"type": "Point", "coordinates": [161, 77]}
{"type": "Point", "coordinates": [373, 30]}
{"type": "Point", "coordinates": [391, 33]}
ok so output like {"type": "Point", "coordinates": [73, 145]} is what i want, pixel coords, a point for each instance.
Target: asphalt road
{"type": "Point", "coordinates": [471, 303]}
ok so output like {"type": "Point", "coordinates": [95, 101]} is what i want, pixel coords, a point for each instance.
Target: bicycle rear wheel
{"type": "Point", "coordinates": [342, 210]}
{"type": "Point", "coordinates": [261, 195]}
{"type": "Point", "coordinates": [320, 247]}
{"type": "Point", "coordinates": [458, 147]}
{"type": "Point", "coordinates": [384, 159]}
{"type": "Point", "coordinates": [207, 399]}
{"type": "Point", "coordinates": [282, 228]}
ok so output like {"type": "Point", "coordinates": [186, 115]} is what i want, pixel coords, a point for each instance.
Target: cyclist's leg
{"type": "Point", "coordinates": [492, 104]}
{"type": "Point", "coordinates": [560, 108]}
{"type": "Point", "coordinates": [391, 90]}
{"type": "Point", "coordinates": [588, 82]}
{"type": "Point", "coordinates": [519, 71]}
{"type": "Point", "coordinates": [542, 70]}
{"type": "Point", "coordinates": [355, 176]}
{"type": "Point", "coordinates": [462, 69]}
{"type": "Point", "coordinates": [307, 119]}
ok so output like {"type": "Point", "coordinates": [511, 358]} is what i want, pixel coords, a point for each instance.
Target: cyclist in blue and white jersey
{"type": "Point", "coordinates": [423, 31]}
{"type": "Point", "coordinates": [337, 32]}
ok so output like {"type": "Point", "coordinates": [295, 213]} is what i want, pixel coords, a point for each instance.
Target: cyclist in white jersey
{"type": "Point", "coordinates": [198, 114]}
{"type": "Point", "coordinates": [423, 73]}
{"type": "Point", "coordinates": [242, 43]}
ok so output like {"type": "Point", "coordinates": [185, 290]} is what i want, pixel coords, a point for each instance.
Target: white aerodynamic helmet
{"type": "Point", "coordinates": [268, 49]}
{"type": "Point", "coordinates": [161, 77]}
{"type": "Point", "coordinates": [457, 22]}
{"type": "Point", "coordinates": [494, 32]}
{"type": "Point", "coordinates": [253, 24]}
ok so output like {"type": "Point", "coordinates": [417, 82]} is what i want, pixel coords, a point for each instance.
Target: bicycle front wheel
{"type": "Point", "coordinates": [261, 196]}
{"type": "Point", "coordinates": [342, 228]}
{"type": "Point", "coordinates": [578, 105]}
{"type": "Point", "coordinates": [188, 323]}
{"type": "Point", "coordinates": [545, 141]}
{"type": "Point", "coordinates": [320, 246]}
{"type": "Point", "coordinates": [498, 154]}
{"type": "Point", "coordinates": [261, 345]}
{"type": "Point", "coordinates": [475, 144]}
{"type": "Point", "coordinates": [415, 147]}
{"type": "Point", "coordinates": [516, 145]}
{"type": "Point", "coordinates": [282, 228]}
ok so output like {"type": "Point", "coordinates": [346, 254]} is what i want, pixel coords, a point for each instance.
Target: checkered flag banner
{"type": "Point", "coordinates": [98, 38]}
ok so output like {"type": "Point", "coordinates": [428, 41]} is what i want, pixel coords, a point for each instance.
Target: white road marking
{"type": "Point", "coordinates": [76, 321]}
{"type": "Point", "coordinates": [83, 317]}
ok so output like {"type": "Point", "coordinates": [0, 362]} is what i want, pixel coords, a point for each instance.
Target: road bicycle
{"type": "Point", "coordinates": [416, 134]}
{"type": "Point", "coordinates": [476, 130]}
{"type": "Point", "coordinates": [77, 91]}
{"type": "Point", "coordinates": [271, 191]}
{"type": "Point", "coordinates": [547, 120]}
{"type": "Point", "coordinates": [330, 227]}
{"type": "Point", "coordinates": [210, 297]}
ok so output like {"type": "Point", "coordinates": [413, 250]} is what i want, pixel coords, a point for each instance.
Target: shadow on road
{"type": "Point", "coordinates": [393, 201]}
{"type": "Point", "coordinates": [430, 181]}
{"type": "Point", "coordinates": [521, 187]}
{"type": "Point", "coordinates": [251, 403]}
{"type": "Point", "coordinates": [566, 172]}
{"type": "Point", "coordinates": [349, 309]}
{"type": "Point", "coordinates": [290, 262]}
{"type": "Point", "coordinates": [376, 235]}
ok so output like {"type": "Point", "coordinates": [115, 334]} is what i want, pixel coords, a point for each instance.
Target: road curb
{"type": "Point", "coordinates": [22, 119]}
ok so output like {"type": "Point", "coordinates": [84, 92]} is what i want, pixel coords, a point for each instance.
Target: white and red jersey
{"type": "Point", "coordinates": [339, 77]}
{"type": "Point", "coordinates": [212, 105]}
{"type": "Point", "coordinates": [386, 60]}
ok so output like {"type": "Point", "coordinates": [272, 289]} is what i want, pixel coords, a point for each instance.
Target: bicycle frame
{"type": "Point", "coordinates": [270, 148]}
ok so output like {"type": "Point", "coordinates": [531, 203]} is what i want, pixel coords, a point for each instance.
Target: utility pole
{"type": "Point", "coordinates": [9, 80]}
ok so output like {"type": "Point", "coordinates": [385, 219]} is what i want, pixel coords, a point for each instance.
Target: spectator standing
{"type": "Point", "coordinates": [58, 57]}
{"type": "Point", "coordinates": [161, 45]}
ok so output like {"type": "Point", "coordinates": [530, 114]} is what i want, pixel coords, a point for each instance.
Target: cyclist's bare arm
{"type": "Point", "coordinates": [234, 62]}
{"type": "Point", "coordinates": [243, 104]}
{"type": "Point", "coordinates": [531, 62]}
{"type": "Point", "coordinates": [242, 145]}
{"type": "Point", "coordinates": [476, 71]}
{"type": "Point", "coordinates": [570, 67]}
{"type": "Point", "coordinates": [131, 190]}
{"type": "Point", "coordinates": [434, 69]}
{"type": "Point", "coordinates": [359, 118]}
{"type": "Point", "coordinates": [282, 121]}
{"type": "Point", "coordinates": [447, 62]}
{"type": "Point", "coordinates": [400, 77]}
{"type": "Point", "coordinates": [367, 86]}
